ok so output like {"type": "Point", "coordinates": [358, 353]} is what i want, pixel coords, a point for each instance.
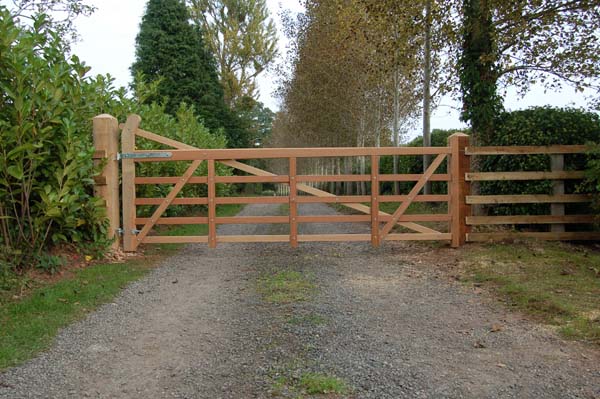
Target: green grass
{"type": "Point", "coordinates": [309, 384]}
{"type": "Point", "coordinates": [315, 383]}
{"type": "Point", "coordinates": [558, 284]}
{"type": "Point", "coordinates": [30, 323]}
{"type": "Point", "coordinates": [285, 286]}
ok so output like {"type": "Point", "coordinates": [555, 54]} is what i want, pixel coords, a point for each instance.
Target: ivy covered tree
{"type": "Point", "coordinates": [478, 69]}
{"type": "Point", "coordinates": [171, 50]}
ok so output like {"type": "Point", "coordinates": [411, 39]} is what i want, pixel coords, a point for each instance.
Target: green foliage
{"type": "Point", "coordinates": [50, 263]}
{"type": "Point", "coordinates": [243, 39]}
{"type": "Point", "coordinates": [171, 51]}
{"type": "Point", "coordinates": [536, 126]}
{"type": "Point", "coordinates": [592, 181]}
{"type": "Point", "coordinates": [186, 128]}
{"type": "Point", "coordinates": [46, 168]}
{"type": "Point", "coordinates": [414, 163]}
{"type": "Point", "coordinates": [478, 69]}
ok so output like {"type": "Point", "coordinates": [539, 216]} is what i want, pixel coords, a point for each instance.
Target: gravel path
{"type": "Point", "coordinates": [386, 321]}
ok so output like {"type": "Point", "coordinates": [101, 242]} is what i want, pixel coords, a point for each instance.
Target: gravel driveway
{"type": "Point", "coordinates": [387, 321]}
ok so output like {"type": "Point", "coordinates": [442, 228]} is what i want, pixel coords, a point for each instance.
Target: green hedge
{"type": "Point", "coordinates": [537, 126]}
{"type": "Point", "coordinates": [46, 170]}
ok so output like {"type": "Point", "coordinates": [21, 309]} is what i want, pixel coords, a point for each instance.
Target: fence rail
{"type": "Point", "coordinates": [294, 189]}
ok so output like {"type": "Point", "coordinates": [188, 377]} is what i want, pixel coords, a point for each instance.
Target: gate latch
{"type": "Point", "coordinates": [141, 155]}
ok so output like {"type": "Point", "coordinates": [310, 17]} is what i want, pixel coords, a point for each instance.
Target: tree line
{"type": "Point", "coordinates": [364, 71]}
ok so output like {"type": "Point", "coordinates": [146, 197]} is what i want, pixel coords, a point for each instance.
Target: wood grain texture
{"type": "Point", "coordinates": [128, 183]}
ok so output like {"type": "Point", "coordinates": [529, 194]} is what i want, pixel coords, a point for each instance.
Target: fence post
{"type": "Point", "coordinates": [459, 188]}
{"type": "Point", "coordinates": [128, 182]}
{"type": "Point", "coordinates": [106, 143]}
{"type": "Point", "coordinates": [558, 188]}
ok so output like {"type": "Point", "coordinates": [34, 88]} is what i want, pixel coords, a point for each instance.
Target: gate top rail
{"type": "Point", "coordinates": [255, 153]}
{"type": "Point", "coordinates": [527, 150]}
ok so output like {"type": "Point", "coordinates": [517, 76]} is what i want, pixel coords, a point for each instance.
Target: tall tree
{"type": "Point", "coordinates": [518, 43]}
{"type": "Point", "coordinates": [61, 14]}
{"type": "Point", "coordinates": [243, 38]}
{"type": "Point", "coordinates": [479, 69]}
{"type": "Point", "coordinates": [170, 49]}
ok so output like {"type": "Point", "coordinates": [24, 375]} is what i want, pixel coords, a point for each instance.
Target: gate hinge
{"type": "Point", "coordinates": [141, 155]}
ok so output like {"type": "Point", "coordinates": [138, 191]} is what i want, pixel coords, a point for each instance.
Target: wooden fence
{"type": "Point", "coordinates": [137, 230]}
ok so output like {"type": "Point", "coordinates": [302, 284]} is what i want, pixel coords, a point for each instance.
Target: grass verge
{"type": "Point", "coordinates": [556, 283]}
{"type": "Point", "coordinates": [285, 286]}
{"type": "Point", "coordinates": [30, 322]}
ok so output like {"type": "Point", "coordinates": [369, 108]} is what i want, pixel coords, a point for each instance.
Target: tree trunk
{"type": "Point", "coordinates": [396, 129]}
{"type": "Point", "coordinates": [348, 171]}
{"type": "Point", "coordinates": [427, 93]}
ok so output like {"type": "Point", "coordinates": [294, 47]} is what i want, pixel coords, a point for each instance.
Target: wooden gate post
{"type": "Point", "coordinates": [459, 188]}
{"type": "Point", "coordinates": [106, 143]}
{"type": "Point", "coordinates": [130, 242]}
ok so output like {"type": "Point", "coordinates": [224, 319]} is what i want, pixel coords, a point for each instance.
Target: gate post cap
{"type": "Point", "coordinates": [104, 116]}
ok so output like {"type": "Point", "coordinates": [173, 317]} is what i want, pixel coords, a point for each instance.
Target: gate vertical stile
{"type": "Point", "coordinates": [128, 182]}
{"type": "Point", "coordinates": [375, 200]}
{"type": "Point", "coordinates": [293, 204]}
{"type": "Point", "coordinates": [212, 207]}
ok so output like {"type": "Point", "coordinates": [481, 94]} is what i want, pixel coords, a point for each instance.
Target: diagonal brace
{"type": "Point", "coordinates": [169, 198]}
{"type": "Point", "coordinates": [411, 195]}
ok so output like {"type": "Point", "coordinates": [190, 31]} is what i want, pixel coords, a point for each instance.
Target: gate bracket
{"type": "Point", "coordinates": [142, 155]}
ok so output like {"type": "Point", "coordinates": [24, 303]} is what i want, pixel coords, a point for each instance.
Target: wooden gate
{"type": "Point", "coordinates": [136, 230]}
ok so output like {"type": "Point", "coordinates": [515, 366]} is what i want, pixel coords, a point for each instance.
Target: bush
{"type": "Point", "coordinates": [46, 169]}
{"type": "Point", "coordinates": [537, 126]}
{"type": "Point", "coordinates": [184, 127]}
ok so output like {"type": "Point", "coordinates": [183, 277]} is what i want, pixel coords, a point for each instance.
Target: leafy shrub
{"type": "Point", "coordinates": [537, 126]}
{"type": "Point", "coordinates": [46, 169]}
{"type": "Point", "coordinates": [184, 127]}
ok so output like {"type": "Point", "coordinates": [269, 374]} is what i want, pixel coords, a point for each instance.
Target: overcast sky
{"type": "Point", "coordinates": [107, 45]}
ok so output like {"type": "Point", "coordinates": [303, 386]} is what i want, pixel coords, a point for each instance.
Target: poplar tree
{"type": "Point", "coordinates": [243, 38]}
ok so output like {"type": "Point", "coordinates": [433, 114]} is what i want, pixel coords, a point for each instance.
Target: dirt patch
{"type": "Point", "coordinates": [380, 323]}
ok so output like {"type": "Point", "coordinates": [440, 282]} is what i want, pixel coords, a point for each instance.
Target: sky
{"type": "Point", "coordinates": [107, 45]}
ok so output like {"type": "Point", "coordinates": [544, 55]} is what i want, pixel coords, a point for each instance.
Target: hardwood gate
{"type": "Point", "coordinates": [136, 230]}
